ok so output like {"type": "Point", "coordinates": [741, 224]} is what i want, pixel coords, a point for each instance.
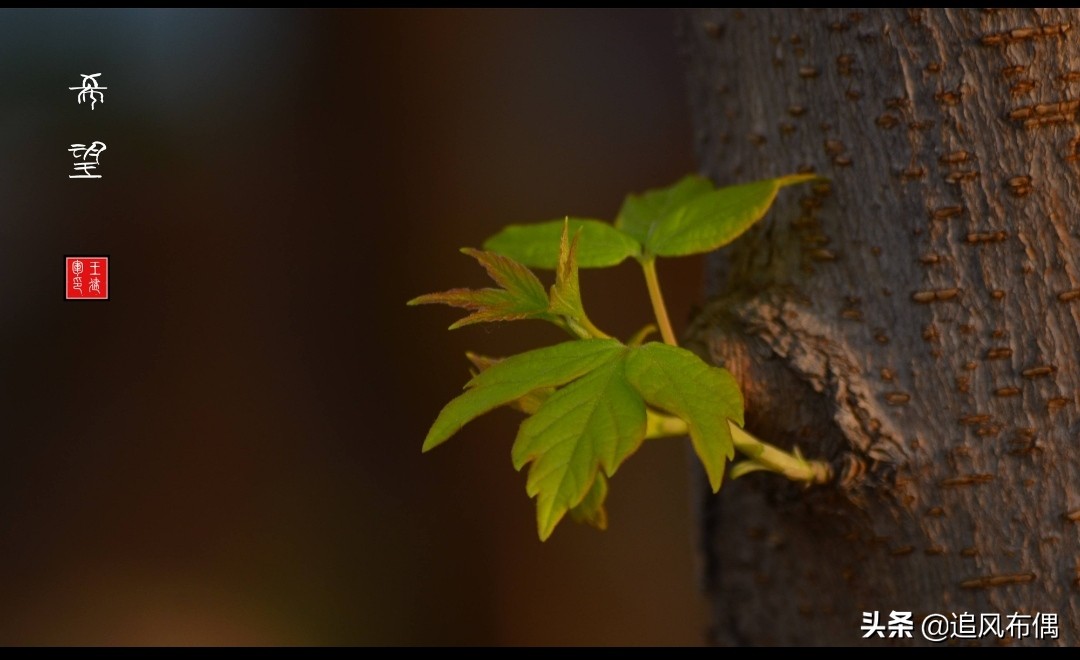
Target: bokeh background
{"type": "Point", "coordinates": [228, 451]}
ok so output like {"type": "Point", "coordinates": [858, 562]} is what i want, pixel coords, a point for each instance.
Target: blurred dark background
{"type": "Point", "coordinates": [228, 451]}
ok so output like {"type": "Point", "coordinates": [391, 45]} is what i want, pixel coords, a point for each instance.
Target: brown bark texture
{"type": "Point", "coordinates": [915, 320]}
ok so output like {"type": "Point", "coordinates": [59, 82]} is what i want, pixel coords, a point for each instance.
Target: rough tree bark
{"type": "Point", "coordinates": [916, 321]}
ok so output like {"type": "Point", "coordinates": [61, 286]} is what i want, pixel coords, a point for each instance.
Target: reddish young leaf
{"type": "Point", "coordinates": [520, 296]}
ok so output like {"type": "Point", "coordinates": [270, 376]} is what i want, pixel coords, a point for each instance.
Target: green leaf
{"type": "Point", "coordinates": [705, 397]}
{"type": "Point", "coordinates": [591, 511]}
{"type": "Point", "coordinates": [537, 245]}
{"type": "Point", "coordinates": [640, 213]}
{"type": "Point", "coordinates": [521, 295]}
{"type": "Point", "coordinates": [527, 404]}
{"type": "Point", "coordinates": [712, 220]}
{"type": "Point", "coordinates": [517, 376]}
{"type": "Point", "coordinates": [565, 298]}
{"type": "Point", "coordinates": [594, 423]}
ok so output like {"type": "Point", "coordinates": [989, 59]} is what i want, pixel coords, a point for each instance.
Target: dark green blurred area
{"type": "Point", "coordinates": [228, 451]}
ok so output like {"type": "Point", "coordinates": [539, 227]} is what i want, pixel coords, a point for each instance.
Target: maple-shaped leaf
{"type": "Point", "coordinates": [520, 296]}
{"type": "Point", "coordinates": [703, 396]}
{"type": "Point", "coordinates": [590, 510]}
{"type": "Point", "coordinates": [588, 403]}
{"type": "Point", "coordinates": [594, 423]}
{"type": "Point", "coordinates": [586, 429]}
{"type": "Point", "coordinates": [513, 378]}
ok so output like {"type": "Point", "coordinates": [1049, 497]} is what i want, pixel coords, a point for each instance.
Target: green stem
{"type": "Point", "coordinates": [593, 330]}
{"type": "Point", "coordinates": [570, 327]}
{"type": "Point", "coordinates": [657, 298]}
{"type": "Point", "coordinates": [582, 328]}
{"type": "Point", "coordinates": [791, 465]}
{"type": "Point", "coordinates": [659, 425]}
{"type": "Point", "coordinates": [641, 335]}
{"type": "Point", "coordinates": [766, 456]}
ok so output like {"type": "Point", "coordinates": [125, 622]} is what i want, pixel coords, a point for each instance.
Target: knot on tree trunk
{"type": "Point", "coordinates": [803, 385]}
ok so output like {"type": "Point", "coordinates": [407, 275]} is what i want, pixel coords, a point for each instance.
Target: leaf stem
{"type": "Point", "coordinates": [592, 329]}
{"type": "Point", "coordinates": [657, 298]}
{"type": "Point", "coordinates": [791, 465]}
{"type": "Point", "coordinates": [659, 425]}
{"type": "Point", "coordinates": [761, 454]}
{"type": "Point", "coordinates": [581, 327]}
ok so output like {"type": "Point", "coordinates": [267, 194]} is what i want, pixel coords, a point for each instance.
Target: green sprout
{"type": "Point", "coordinates": [593, 400]}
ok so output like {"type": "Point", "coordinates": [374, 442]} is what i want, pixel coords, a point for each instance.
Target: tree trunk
{"type": "Point", "coordinates": [915, 321]}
